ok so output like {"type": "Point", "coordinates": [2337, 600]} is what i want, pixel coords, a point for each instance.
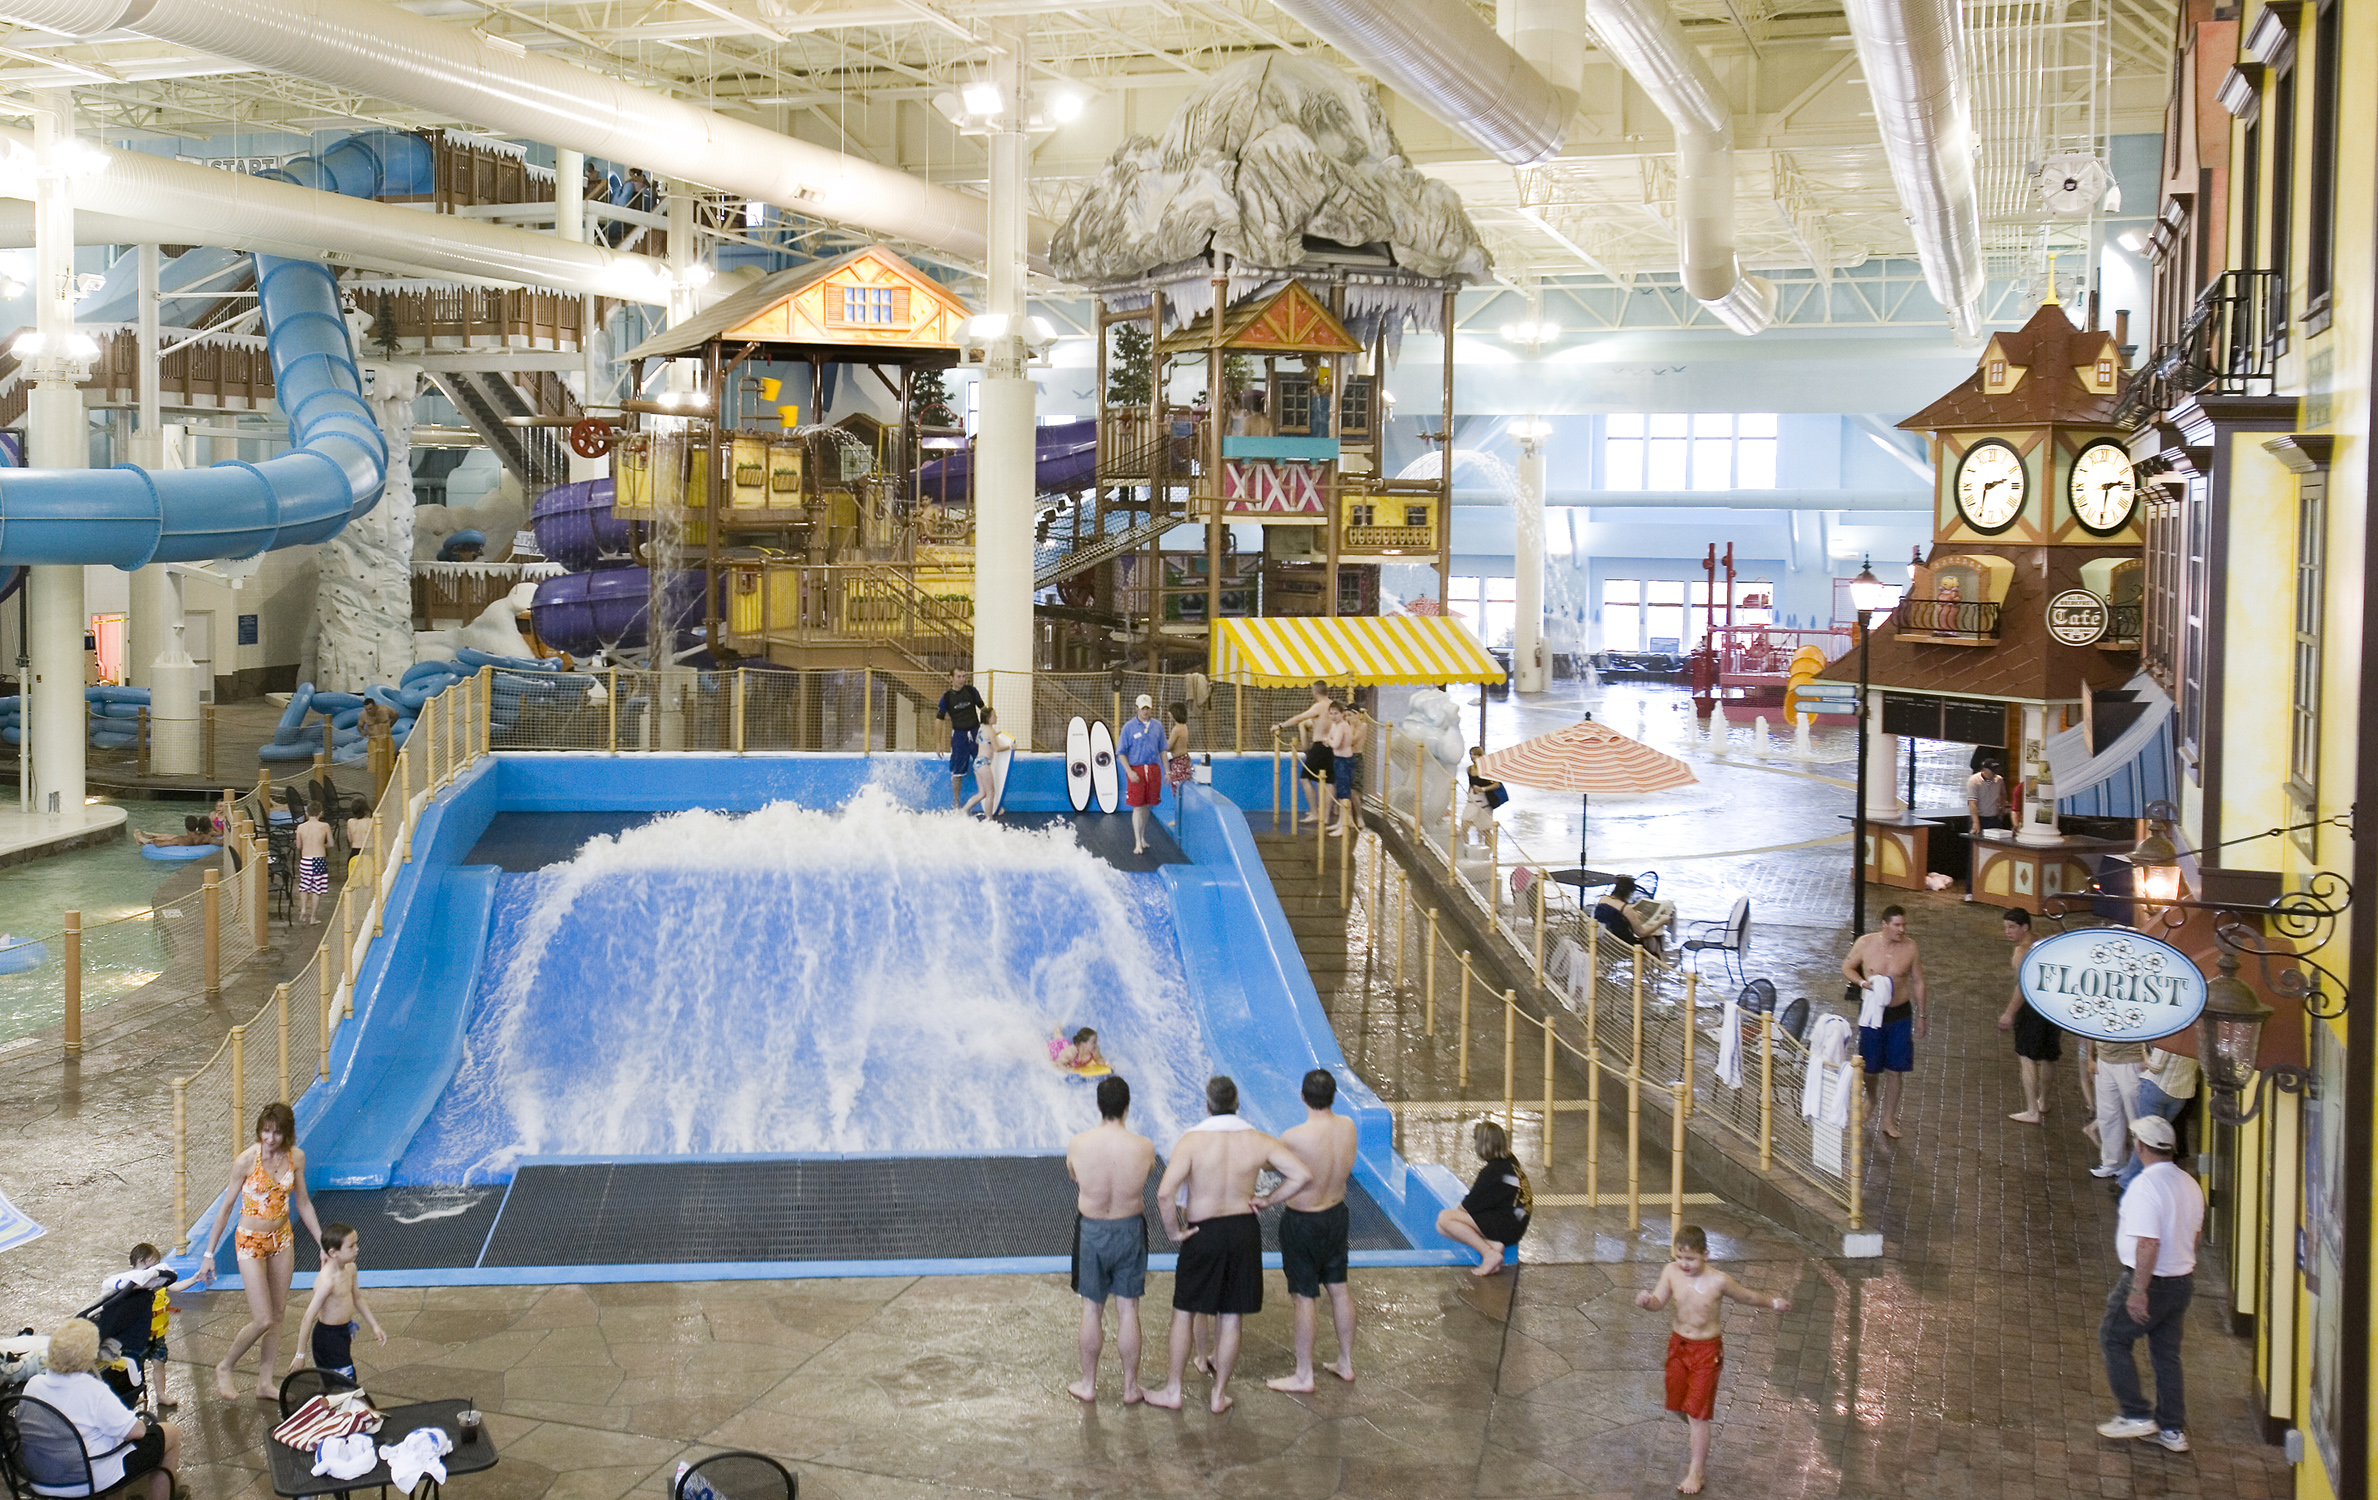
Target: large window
{"type": "Point", "coordinates": [1700, 451]}
{"type": "Point", "coordinates": [2282, 237]}
{"type": "Point", "coordinates": [2320, 235]}
{"type": "Point", "coordinates": [2311, 600]}
{"type": "Point", "coordinates": [1489, 606]}
{"type": "Point", "coordinates": [1658, 615]}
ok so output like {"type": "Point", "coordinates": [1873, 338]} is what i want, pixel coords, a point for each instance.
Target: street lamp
{"type": "Point", "coordinates": [1867, 594]}
{"type": "Point", "coordinates": [2229, 1046]}
{"type": "Point", "coordinates": [2155, 868]}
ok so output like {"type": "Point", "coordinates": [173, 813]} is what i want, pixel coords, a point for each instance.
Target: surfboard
{"type": "Point", "coordinates": [1106, 778]}
{"type": "Point", "coordinates": [1077, 763]}
{"type": "Point", "coordinates": [1003, 753]}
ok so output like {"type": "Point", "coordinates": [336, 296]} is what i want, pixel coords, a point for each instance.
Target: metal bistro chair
{"type": "Point", "coordinates": [300, 1386]}
{"type": "Point", "coordinates": [736, 1476]}
{"type": "Point", "coordinates": [1727, 937]}
{"type": "Point", "coordinates": [43, 1454]}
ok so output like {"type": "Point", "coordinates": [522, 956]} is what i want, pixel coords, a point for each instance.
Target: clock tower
{"type": "Point", "coordinates": [2021, 624]}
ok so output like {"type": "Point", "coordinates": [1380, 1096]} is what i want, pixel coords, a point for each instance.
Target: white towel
{"type": "Point", "coordinates": [1729, 1046]}
{"type": "Point", "coordinates": [1828, 1049]}
{"type": "Point", "coordinates": [1874, 1001]}
{"type": "Point", "coordinates": [1223, 1123]}
{"type": "Point", "coordinates": [349, 1457]}
{"type": "Point", "coordinates": [421, 1453]}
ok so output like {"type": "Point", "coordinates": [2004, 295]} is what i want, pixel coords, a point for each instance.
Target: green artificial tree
{"type": "Point", "coordinates": [1127, 367]}
{"type": "Point", "coordinates": [929, 400]}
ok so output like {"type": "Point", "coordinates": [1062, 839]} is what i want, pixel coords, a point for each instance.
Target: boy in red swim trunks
{"type": "Point", "coordinates": [1695, 1351]}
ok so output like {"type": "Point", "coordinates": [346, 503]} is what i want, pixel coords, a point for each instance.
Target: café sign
{"type": "Point", "coordinates": [2077, 617]}
{"type": "Point", "coordinates": [2111, 984]}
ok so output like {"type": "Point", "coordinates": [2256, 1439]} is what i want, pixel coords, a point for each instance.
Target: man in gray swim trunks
{"type": "Point", "coordinates": [1110, 1164]}
{"type": "Point", "coordinates": [1313, 1231]}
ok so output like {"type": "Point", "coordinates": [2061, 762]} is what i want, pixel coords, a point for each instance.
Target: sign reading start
{"type": "Point", "coordinates": [2111, 984]}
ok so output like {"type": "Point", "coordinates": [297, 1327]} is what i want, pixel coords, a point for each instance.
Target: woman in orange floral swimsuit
{"type": "Point", "coordinates": [264, 1178]}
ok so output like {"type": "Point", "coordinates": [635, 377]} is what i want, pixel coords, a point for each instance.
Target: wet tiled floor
{"type": "Point", "coordinates": [1962, 1363]}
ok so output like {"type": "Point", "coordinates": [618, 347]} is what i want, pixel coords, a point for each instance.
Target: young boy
{"type": "Point", "coordinates": [328, 1331]}
{"type": "Point", "coordinates": [1696, 1352]}
{"type": "Point", "coordinates": [148, 1270]}
{"type": "Point", "coordinates": [359, 831]}
{"type": "Point", "coordinates": [313, 864]}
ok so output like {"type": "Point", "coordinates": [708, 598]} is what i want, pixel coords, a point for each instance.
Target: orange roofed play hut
{"type": "Point", "coordinates": [807, 525]}
{"type": "Point", "coordinates": [2020, 627]}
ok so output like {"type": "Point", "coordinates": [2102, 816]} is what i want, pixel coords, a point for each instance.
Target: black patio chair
{"type": "Point", "coordinates": [44, 1456]}
{"type": "Point", "coordinates": [300, 1386]}
{"type": "Point", "coordinates": [736, 1476]}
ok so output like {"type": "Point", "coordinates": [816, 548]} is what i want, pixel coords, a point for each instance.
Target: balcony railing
{"type": "Point", "coordinates": [2124, 625]}
{"type": "Point", "coordinates": [2229, 345]}
{"type": "Point", "coordinates": [1963, 621]}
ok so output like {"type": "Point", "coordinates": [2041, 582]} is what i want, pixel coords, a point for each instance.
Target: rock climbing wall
{"type": "Point", "coordinates": [363, 606]}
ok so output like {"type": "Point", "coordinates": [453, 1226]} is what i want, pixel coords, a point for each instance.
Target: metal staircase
{"type": "Point", "coordinates": [539, 457]}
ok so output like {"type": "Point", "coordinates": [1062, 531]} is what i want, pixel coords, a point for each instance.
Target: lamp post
{"type": "Point", "coordinates": [1867, 594]}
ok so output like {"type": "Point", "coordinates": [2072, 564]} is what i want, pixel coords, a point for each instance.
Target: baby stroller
{"type": "Point", "coordinates": [129, 1340]}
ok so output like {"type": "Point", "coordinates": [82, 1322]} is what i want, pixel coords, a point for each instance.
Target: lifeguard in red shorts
{"type": "Point", "coordinates": [1696, 1350]}
{"type": "Point", "coordinates": [1142, 746]}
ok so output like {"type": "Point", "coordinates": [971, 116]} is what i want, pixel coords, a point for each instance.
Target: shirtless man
{"type": "Point", "coordinates": [1311, 726]}
{"type": "Point", "coordinates": [1220, 1273]}
{"type": "Point", "coordinates": [313, 864]}
{"type": "Point", "coordinates": [1313, 1231]}
{"type": "Point", "coordinates": [1110, 1165]}
{"type": "Point", "coordinates": [1887, 1042]}
{"type": "Point", "coordinates": [1696, 1296]}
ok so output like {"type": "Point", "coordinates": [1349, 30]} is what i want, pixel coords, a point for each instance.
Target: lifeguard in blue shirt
{"type": "Point", "coordinates": [1142, 744]}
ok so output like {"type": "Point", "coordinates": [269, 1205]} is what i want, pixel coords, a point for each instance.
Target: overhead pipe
{"type": "Point", "coordinates": [179, 202]}
{"type": "Point", "coordinates": [1444, 58]}
{"type": "Point", "coordinates": [1914, 63]}
{"type": "Point", "coordinates": [1646, 39]}
{"type": "Point", "coordinates": [385, 52]}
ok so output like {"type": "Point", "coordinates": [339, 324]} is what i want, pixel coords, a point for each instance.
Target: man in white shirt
{"type": "Point", "coordinates": [1985, 798]}
{"type": "Point", "coordinates": [2163, 1211]}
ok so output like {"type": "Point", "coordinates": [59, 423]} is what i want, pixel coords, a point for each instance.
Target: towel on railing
{"type": "Point", "coordinates": [1729, 1046]}
{"type": "Point", "coordinates": [1569, 966]}
{"type": "Point", "coordinates": [1828, 1050]}
{"type": "Point", "coordinates": [1873, 1001]}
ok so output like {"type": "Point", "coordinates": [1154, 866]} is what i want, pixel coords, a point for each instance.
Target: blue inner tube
{"type": "Point", "coordinates": [168, 854]}
{"type": "Point", "coordinates": [23, 958]}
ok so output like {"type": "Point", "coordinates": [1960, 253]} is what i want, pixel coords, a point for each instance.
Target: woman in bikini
{"type": "Point", "coordinates": [264, 1178]}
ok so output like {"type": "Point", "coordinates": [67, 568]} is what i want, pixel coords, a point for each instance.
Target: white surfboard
{"type": "Point", "coordinates": [1077, 763]}
{"type": "Point", "coordinates": [1106, 778]}
{"type": "Point", "coordinates": [1003, 754]}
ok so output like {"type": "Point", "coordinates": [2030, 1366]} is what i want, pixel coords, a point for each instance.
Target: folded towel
{"type": "Point", "coordinates": [1874, 1001]}
{"type": "Point", "coordinates": [349, 1457]}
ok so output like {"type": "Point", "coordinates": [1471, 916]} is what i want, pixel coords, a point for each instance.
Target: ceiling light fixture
{"type": "Point", "coordinates": [983, 97]}
{"type": "Point", "coordinates": [1066, 105]}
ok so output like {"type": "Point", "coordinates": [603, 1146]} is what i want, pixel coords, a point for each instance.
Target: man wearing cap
{"type": "Point", "coordinates": [1142, 744]}
{"type": "Point", "coordinates": [2162, 1212]}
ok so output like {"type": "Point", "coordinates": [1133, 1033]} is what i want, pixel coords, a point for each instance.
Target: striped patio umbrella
{"type": "Point", "coordinates": [1586, 758]}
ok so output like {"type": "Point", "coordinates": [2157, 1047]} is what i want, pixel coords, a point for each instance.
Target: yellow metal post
{"type": "Point", "coordinates": [1403, 911]}
{"type": "Point", "coordinates": [325, 986]}
{"type": "Point", "coordinates": [1635, 1107]}
{"type": "Point", "coordinates": [1593, 1123]}
{"type": "Point", "coordinates": [1428, 962]}
{"type": "Point", "coordinates": [1766, 1091]}
{"type": "Point", "coordinates": [1419, 775]}
{"type": "Point", "coordinates": [1494, 870]}
{"type": "Point", "coordinates": [1465, 1020]}
{"type": "Point", "coordinates": [280, 1009]}
{"type": "Point", "coordinates": [239, 1087]}
{"type": "Point", "coordinates": [1345, 867]}
{"type": "Point", "coordinates": [1510, 1040]}
{"type": "Point", "coordinates": [1676, 1163]}
{"type": "Point", "coordinates": [181, 1164]}
{"type": "Point", "coordinates": [259, 887]}
{"type": "Point", "coordinates": [867, 712]}
{"type": "Point", "coordinates": [1849, 1077]}
{"type": "Point", "coordinates": [379, 906]}
{"type": "Point", "coordinates": [1692, 1036]}
{"type": "Point", "coordinates": [212, 911]}
{"type": "Point", "coordinates": [404, 792]}
{"type": "Point", "coordinates": [1537, 887]}
{"type": "Point", "coordinates": [73, 976]}
{"type": "Point", "coordinates": [347, 901]}
{"type": "Point", "coordinates": [1320, 843]}
{"type": "Point", "coordinates": [741, 674]}
{"type": "Point", "coordinates": [1548, 1088]}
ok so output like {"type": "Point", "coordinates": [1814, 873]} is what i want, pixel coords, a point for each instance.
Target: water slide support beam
{"type": "Point", "coordinates": [1003, 476]}
{"type": "Point", "coordinates": [56, 730]}
{"type": "Point", "coordinates": [569, 223]}
{"type": "Point", "coordinates": [145, 631]}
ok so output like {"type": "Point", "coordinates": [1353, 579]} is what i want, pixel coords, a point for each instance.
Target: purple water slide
{"type": "Point", "coordinates": [574, 525]}
{"type": "Point", "coordinates": [583, 613]}
{"type": "Point", "coordinates": [1065, 459]}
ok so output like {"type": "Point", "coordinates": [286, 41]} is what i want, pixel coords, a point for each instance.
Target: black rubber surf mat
{"type": "Point", "coordinates": [522, 841]}
{"type": "Point", "coordinates": [409, 1228]}
{"type": "Point", "coordinates": [902, 1208]}
{"type": "Point", "coordinates": [1108, 835]}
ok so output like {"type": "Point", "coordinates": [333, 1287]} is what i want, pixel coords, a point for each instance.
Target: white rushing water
{"type": "Point", "coordinates": [796, 980]}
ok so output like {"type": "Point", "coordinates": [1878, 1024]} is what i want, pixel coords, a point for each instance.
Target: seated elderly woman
{"type": "Point", "coordinates": [124, 1448]}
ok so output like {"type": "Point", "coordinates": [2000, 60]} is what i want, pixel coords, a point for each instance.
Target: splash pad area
{"type": "Point", "coordinates": [679, 1017]}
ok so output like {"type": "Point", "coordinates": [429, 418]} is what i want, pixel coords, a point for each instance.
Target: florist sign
{"type": "Point", "coordinates": [2111, 984]}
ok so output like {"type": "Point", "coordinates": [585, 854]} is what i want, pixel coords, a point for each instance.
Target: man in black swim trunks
{"type": "Point", "coordinates": [1220, 1273]}
{"type": "Point", "coordinates": [1313, 1231]}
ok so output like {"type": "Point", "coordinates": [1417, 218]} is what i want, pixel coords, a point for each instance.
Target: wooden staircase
{"type": "Point", "coordinates": [1314, 915]}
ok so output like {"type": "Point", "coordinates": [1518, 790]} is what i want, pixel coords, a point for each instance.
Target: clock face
{"type": "Point", "coordinates": [1991, 486]}
{"type": "Point", "coordinates": [2104, 491]}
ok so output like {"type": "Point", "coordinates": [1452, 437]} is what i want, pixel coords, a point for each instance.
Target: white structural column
{"type": "Point", "coordinates": [1528, 651]}
{"type": "Point", "coordinates": [1003, 444]}
{"type": "Point", "coordinates": [569, 223]}
{"type": "Point", "coordinates": [56, 721]}
{"type": "Point", "coordinates": [1882, 763]}
{"type": "Point", "coordinates": [2035, 820]}
{"type": "Point", "coordinates": [146, 631]}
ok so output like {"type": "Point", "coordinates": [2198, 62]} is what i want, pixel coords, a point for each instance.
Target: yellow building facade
{"type": "Point", "coordinates": [2253, 395]}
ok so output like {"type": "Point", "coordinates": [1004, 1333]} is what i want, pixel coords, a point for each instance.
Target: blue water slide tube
{"type": "Point", "coordinates": [338, 460]}
{"type": "Point", "coordinates": [1064, 460]}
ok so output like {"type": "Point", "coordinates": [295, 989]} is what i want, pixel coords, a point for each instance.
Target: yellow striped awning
{"type": "Point", "coordinates": [1294, 650]}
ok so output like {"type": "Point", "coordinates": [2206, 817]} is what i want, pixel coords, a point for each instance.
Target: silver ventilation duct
{"type": "Point", "coordinates": [1646, 39]}
{"type": "Point", "coordinates": [1444, 58]}
{"type": "Point", "coordinates": [384, 52]}
{"type": "Point", "coordinates": [1915, 69]}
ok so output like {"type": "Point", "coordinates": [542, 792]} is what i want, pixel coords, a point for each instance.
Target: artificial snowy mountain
{"type": "Point", "coordinates": [1273, 150]}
